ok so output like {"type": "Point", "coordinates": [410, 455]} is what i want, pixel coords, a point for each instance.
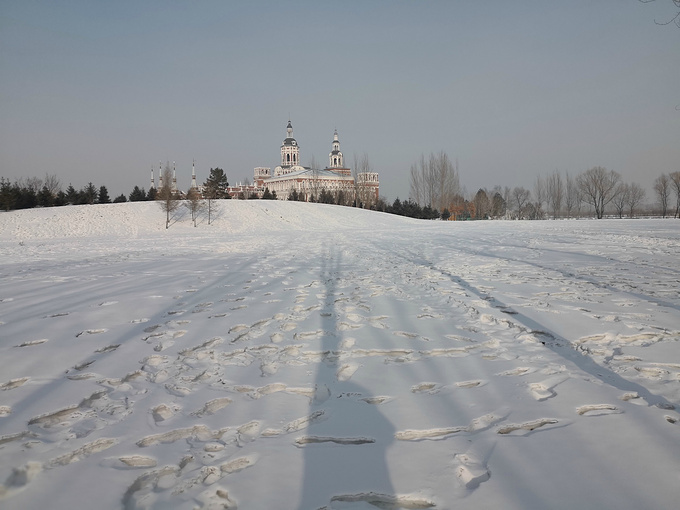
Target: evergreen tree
{"type": "Point", "coordinates": [45, 198]}
{"type": "Point", "coordinates": [152, 194]}
{"type": "Point", "coordinates": [137, 194]}
{"type": "Point", "coordinates": [89, 194]}
{"type": "Point", "coordinates": [216, 184]}
{"type": "Point", "coordinates": [267, 195]}
{"type": "Point", "coordinates": [104, 195]}
{"type": "Point", "coordinates": [293, 195]}
{"type": "Point", "coordinates": [71, 195]}
{"type": "Point", "coordinates": [60, 199]}
{"type": "Point", "coordinates": [120, 199]}
{"type": "Point", "coordinates": [446, 214]}
{"type": "Point", "coordinates": [7, 198]}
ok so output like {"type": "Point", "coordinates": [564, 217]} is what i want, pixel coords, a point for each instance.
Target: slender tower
{"type": "Point", "coordinates": [152, 186]}
{"type": "Point", "coordinates": [174, 178]}
{"type": "Point", "coordinates": [193, 174]}
{"type": "Point", "coordinates": [335, 157]}
{"type": "Point", "coordinates": [160, 175]}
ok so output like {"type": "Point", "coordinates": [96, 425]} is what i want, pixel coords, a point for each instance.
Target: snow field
{"type": "Point", "coordinates": [307, 356]}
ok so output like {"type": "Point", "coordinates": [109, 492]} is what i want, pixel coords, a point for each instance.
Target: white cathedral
{"type": "Point", "coordinates": [308, 182]}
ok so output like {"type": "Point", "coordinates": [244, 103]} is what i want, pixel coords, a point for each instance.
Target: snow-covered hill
{"type": "Point", "coordinates": [302, 356]}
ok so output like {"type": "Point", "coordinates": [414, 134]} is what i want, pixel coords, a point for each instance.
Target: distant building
{"type": "Point", "coordinates": [290, 177]}
{"type": "Point", "coordinates": [308, 183]}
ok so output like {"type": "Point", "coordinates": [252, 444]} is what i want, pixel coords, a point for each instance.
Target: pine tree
{"type": "Point", "coordinates": [104, 195]}
{"type": "Point", "coordinates": [120, 199]}
{"type": "Point", "coordinates": [89, 194]}
{"type": "Point", "coordinates": [216, 184]}
{"type": "Point", "coordinates": [45, 198]}
{"type": "Point", "coordinates": [71, 195]}
{"type": "Point", "coordinates": [137, 194]}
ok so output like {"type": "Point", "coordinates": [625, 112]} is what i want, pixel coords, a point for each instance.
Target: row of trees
{"type": "Point", "coordinates": [47, 192]}
{"type": "Point", "coordinates": [434, 182]}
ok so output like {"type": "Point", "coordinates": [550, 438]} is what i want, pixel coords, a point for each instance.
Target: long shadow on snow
{"type": "Point", "coordinates": [353, 468]}
{"type": "Point", "coordinates": [570, 274]}
{"type": "Point", "coordinates": [563, 347]}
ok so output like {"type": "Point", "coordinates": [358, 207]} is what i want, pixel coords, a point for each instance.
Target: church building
{"type": "Point", "coordinates": [308, 183]}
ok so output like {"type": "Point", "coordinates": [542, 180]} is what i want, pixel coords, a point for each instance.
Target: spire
{"type": "Point", "coordinates": [174, 177]}
{"type": "Point", "coordinates": [160, 174]}
{"type": "Point", "coordinates": [193, 174]}
{"type": "Point", "coordinates": [152, 183]}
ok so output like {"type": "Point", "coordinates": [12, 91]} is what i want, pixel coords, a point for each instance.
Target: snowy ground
{"type": "Point", "coordinates": [302, 356]}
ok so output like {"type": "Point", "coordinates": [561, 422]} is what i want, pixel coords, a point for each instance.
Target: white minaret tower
{"type": "Point", "coordinates": [152, 186]}
{"type": "Point", "coordinates": [160, 175]}
{"type": "Point", "coordinates": [193, 174]}
{"type": "Point", "coordinates": [335, 156]}
{"type": "Point", "coordinates": [174, 178]}
{"type": "Point", "coordinates": [290, 150]}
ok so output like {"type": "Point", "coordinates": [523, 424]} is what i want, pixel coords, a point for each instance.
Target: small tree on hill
{"type": "Point", "coordinates": [120, 199]}
{"type": "Point", "coordinates": [215, 187]}
{"type": "Point", "coordinates": [166, 197]}
{"type": "Point", "coordinates": [194, 203]}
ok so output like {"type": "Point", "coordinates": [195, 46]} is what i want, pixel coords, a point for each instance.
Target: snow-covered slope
{"type": "Point", "coordinates": [302, 356]}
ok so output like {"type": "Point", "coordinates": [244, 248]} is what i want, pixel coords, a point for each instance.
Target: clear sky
{"type": "Point", "coordinates": [102, 91]}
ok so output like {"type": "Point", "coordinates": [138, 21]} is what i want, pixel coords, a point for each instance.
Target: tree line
{"type": "Point", "coordinates": [435, 192]}
{"type": "Point", "coordinates": [594, 192]}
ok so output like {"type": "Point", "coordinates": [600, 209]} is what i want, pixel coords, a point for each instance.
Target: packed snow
{"type": "Point", "coordinates": [306, 356]}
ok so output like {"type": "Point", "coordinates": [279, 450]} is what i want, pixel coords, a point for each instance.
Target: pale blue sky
{"type": "Point", "coordinates": [101, 91]}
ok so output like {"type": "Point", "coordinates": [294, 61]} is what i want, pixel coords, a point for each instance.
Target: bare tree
{"type": "Point", "coordinates": [363, 193]}
{"type": "Point", "coordinates": [571, 195]}
{"type": "Point", "coordinates": [662, 188]}
{"type": "Point", "coordinates": [636, 194]}
{"type": "Point", "coordinates": [520, 197]}
{"type": "Point", "coordinates": [417, 191]}
{"type": "Point", "coordinates": [675, 181]}
{"type": "Point", "coordinates": [166, 196]}
{"type": "Point", "coordinates": [482, 205]}
{"type": "Point", "coordinates": [554, 188]}
{"type": "Point", "coordinates": [598, 187]}
{"type": "Point", "coordinates": [434, 181]}
{"type": "Point", "coordinates": [52, 184]}
{"type": "Point", "coordinates": [194, 203]}
{"type": "Point", "coordinates": [621, 198]}
{"type": "Point", "coordinates": [540, 195]}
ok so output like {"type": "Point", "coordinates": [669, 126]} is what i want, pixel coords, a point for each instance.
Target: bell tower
{"type": "Point", "coordinates": [290, 150]}
{"type": "Point", "coordinates": [335, 157]}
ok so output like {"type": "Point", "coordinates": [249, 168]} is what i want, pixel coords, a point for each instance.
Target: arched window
{"type": "Point", "coordinates": [288, 158]}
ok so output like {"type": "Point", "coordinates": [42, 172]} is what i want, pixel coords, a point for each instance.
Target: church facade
{"type": "Point", "coordinates": [308, 183]}
{"type": "Point", "coordinates": [290, 178]}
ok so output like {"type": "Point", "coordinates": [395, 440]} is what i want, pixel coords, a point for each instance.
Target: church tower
{"type": "Point", "coordinates": [290, 151]}
{"type": "Point", "coordinates": [335, 156]}
{"type": "Point", "coordinates": [193, 175]}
